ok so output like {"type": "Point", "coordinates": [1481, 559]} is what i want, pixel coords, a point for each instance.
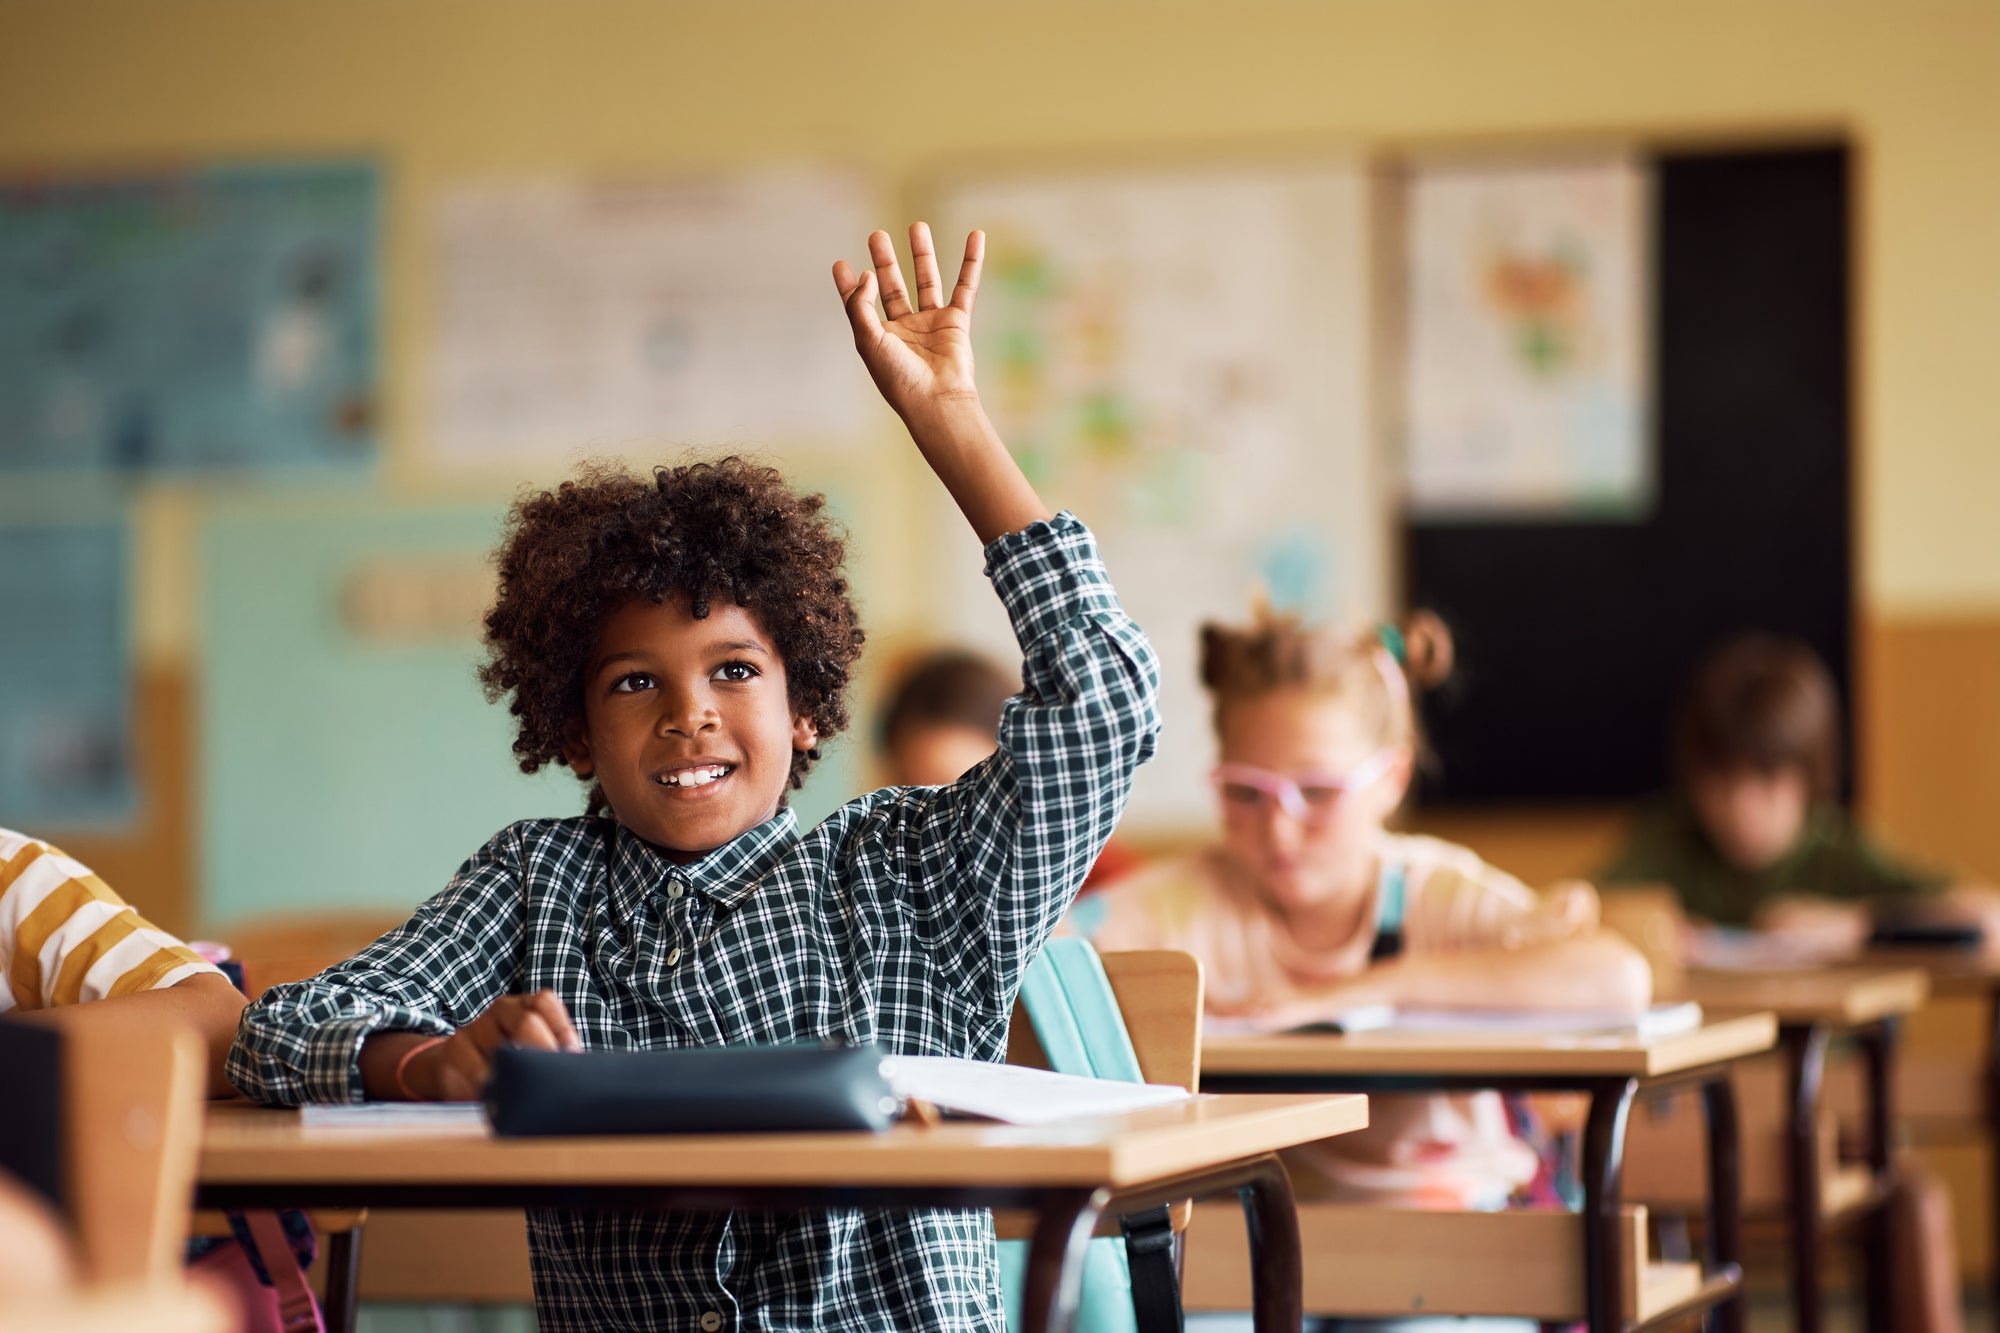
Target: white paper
{"type": "Point", "coordinates": [626, 315]}
{"type": "Point", "coordinates": [1526, 376]}
{"type": "Point", "coordinates": [1181, 358]}
{"type": "Point", "coordinates": [1016, 1094]}
{"type": "Point", "coordinates": [393, 1115]}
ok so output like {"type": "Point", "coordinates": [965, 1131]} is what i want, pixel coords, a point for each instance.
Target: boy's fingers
{"type": "Point", "coordinates": [861, 312]}
{"type": "Point", "coordinates": [845, 279]}
{"type": "Point", "coordinates": [534, 1033]}
{"type": "Point", "coordinates": [930, 288]}
{"type": "Point", "coordinates": [895, 300]}
{"type": "Point", "coordinates": [555, 1013]}
{"type": "Point", "coordinates": [967, 289]}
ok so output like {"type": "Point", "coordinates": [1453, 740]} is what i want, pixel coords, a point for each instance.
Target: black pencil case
{"type": "Point", "coordinates": [702, 1090]}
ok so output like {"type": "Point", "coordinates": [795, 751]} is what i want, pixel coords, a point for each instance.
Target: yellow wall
{"type": "Point", "coordinates": [444, 89]}
{"type": "Point", "coordinates": [449, 87]}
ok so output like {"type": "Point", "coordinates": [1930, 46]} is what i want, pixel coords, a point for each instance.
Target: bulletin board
{"type": "Point", "coordinates": [192, 320]}
{"type": "Point", "coordinates": [1576, 635]}
{"type": "Point", "coordinates": [1180, 356]}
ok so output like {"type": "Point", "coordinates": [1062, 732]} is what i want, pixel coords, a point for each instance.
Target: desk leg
{"type": "Point", "coordinates": [1878, 1049]}
{"type": "Point", "coordinates": [343, 1279]}
{"type": "Point", "coordinates": [1993, 1137]}
{"type": "Point", "coordinates": [1063, 1227]}
{"type": "Point", "coordinates": [1603, 1192]}
{"type": "Point", "coordinates": [1805, 1056]}
{"type": "Point", "coordinates": [1725, 1193]}
{"type": "Point", "coordinates": [1277, 1269]}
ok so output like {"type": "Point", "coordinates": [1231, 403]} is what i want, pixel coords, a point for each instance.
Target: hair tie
{"type": "Point", "coordinates": [1392, 639]}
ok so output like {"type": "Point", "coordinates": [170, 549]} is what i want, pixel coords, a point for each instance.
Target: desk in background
{"type": "Point", "coordinates": [1614, 1071]}
{"type": "Point", "coordinates": [1815, 1007]}
{"type": "Point", "coordinates": [1069, 1175]}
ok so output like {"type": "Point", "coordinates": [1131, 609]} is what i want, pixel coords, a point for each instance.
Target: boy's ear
{"type": "Point", "coordinates": [805, 734]}
{"type": "Point", "coordinates": [576, 748]}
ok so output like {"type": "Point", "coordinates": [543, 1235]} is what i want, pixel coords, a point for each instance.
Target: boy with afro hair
{"type": "Point", "coordinates": [683, 644]}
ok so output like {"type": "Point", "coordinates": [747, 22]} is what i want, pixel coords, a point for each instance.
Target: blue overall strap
{"type": "Point", "coordinates": [1391, 902]}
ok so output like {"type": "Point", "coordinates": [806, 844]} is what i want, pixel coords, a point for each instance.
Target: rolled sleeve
{"type": "Point", "coordinates": [437, 972]}
{"type": "Point", "coordinates": [995, 858]}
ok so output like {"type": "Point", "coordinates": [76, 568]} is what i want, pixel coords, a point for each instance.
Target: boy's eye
{"type": "Point", "coordinates": [1317, 796]}
{"type": "Point", "coordinates": [632, 682]}
{"type": "Point", "coordinates": [736, 671]}
{"type": "Point", "coordinates": [1241, 793]}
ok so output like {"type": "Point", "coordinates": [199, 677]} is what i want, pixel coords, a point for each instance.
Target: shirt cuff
{"type": "Point", "coordinates": [1048, 573]}
{"type": "Point", "coordinates": [333, 1063]}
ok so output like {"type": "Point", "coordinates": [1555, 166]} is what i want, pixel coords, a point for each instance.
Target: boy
{"type": "Point", "coordinates": [683, 644]}
{"type": "Point", "coordinates": [1752, 834]}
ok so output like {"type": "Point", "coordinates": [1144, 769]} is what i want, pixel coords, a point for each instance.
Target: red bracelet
{"type": "Point", "coordinates": [404, 1063]}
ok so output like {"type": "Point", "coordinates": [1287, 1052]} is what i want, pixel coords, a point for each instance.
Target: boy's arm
{"type": "Point", "coordinates": [432, 975]}
{"type": "Point", "coordinates": [988, 864]}
{"type": "Point", "coordinates": [921, 359]}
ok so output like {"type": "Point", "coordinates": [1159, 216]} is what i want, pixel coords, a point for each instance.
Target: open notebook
{"type": "Point", "coordinates": [1662, 1020]}
{"type": "Point", "coordinates": [1016, 1094]}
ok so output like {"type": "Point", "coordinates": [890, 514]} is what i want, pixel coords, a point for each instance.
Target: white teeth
{"type": "Point", "coordinates": [695, 777]}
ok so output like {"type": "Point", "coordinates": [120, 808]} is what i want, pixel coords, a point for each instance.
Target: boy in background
{"type": "Point", "coordinates": [1752, 833]}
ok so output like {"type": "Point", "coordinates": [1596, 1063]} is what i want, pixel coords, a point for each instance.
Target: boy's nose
{"type": "Point", "coordinates": [686, 714]}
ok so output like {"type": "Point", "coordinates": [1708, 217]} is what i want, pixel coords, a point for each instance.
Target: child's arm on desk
{"type": "Point", "coordinates": [1595, 973]}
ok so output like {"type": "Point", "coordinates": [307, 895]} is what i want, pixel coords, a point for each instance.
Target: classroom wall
{"type": "Point", "coordinates": [450, 89]}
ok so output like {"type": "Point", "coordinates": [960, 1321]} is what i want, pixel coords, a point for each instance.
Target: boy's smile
{"type": "Point", "coordinates": [687, 724]}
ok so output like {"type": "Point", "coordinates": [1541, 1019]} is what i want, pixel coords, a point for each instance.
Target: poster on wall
{"type": "Point", "coordinates": [1526, 386]}
{"type": "Point", "coordinates": [1207, 415]}
{"type": "Point", "coordinates": [582, 316]}
{"type": "Point", "coordinates": [66, 729]}
{"type": "Point", "coordinates": [206, 319]}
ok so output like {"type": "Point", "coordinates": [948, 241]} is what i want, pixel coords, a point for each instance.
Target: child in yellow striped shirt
{"type": "Point", "coordinates": [67, 939]}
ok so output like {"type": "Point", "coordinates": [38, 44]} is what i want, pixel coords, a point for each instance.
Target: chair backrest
{"type": "Point", "coordinates": [294, 945]}
{"type": "Point", "coordinates": [1159, 993]}
{"type": "Point", "coordinates": [127, 1134]}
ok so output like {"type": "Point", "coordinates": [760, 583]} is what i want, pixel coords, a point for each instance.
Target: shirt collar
{"type": "Point", "coordinates": [726, 875]}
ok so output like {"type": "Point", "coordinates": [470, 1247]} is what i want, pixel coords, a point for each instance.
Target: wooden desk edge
{"type": "Point", "coordinates": [1370, 1054]}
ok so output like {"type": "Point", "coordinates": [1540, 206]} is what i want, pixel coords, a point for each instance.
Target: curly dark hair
{"type": "Point", "coordinates": [726, 529]}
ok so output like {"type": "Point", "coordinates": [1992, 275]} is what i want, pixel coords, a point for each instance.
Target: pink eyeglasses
{"type": "Point", "coordinates": [1308, 798]}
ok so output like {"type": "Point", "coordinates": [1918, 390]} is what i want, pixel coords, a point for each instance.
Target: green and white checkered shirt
{"type": "Point", "coordinates": [907, 918]}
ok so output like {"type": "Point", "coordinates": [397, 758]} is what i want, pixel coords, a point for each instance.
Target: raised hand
{"type": "Point", "coordinates": [921, 359]}
{"type": "Point", "coordinates": [920, 356]}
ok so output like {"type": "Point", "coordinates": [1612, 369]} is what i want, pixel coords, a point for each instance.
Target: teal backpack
{"type": "Point", "coordinates": [1076, 1019]}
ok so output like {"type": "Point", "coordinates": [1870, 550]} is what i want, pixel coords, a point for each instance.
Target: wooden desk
{"type": "Point", "coordinates": [1972, 974]}
{"type": "Point", "coordinates": [1815, 1007]}
{"type": "Point", "coordinates": [1067, 1174]}
{"type": "Point", "coordinates": [1612, 1070]}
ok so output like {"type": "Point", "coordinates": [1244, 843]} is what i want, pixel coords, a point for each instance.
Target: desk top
{"type": "Point", "coordinates": [1952, 971]}
{"type": "Point", "coordinates": [1849, 995]}
{"type": "Point", "coordinates": [245, 1145]}
{"type": "Point", "coordinates": [1501, 1055]}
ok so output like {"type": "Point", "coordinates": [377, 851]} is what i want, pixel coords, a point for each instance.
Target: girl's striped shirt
{"type": "Point", "coordinates": [65, 937]}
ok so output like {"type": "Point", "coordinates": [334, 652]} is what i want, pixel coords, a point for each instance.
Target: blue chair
{"type": "Point", "coordinates": [1075, 1024]}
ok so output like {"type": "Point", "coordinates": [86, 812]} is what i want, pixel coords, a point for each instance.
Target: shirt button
{"type": "Point", "coordinates": [674, 956]}
{"type": "Point", "coordinates": [710, 1321]}
{"type": "Point", "coordinates": [675, 888]}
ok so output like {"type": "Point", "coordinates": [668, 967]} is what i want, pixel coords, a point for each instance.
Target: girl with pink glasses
{"type": "Point", "coordinates": [1309, 907]}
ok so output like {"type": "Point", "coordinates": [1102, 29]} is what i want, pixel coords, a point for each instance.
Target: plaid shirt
{"type": "Point", "coordinates": [907, 918]}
